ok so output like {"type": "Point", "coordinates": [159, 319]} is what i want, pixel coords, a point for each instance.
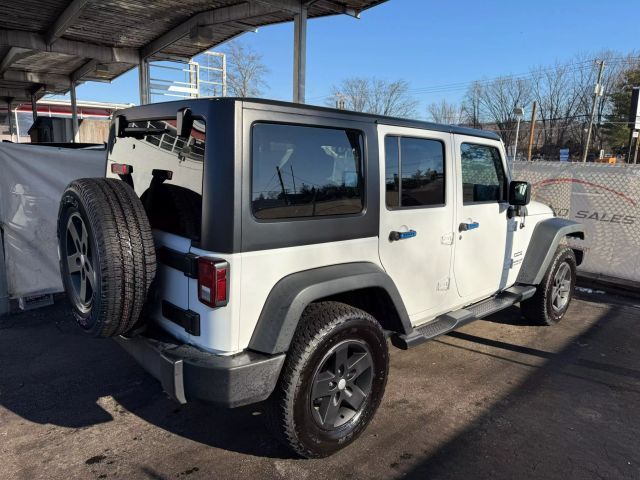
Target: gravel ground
{"type": "Point", "coordinates": [497, 399]}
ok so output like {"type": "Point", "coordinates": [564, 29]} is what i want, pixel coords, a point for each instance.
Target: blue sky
{"type": "Point", "coordinates": [430, 43]}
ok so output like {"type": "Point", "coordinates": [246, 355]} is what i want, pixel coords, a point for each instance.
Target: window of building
{"type": "Point", "coordinates": [483, 177]}
{"type": "Point", "coordinates": [414, 172]}
{"type": "Point", "coordinates": [300, 171]}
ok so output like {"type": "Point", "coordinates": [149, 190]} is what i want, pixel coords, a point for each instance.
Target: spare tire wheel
{"type": "Point", "coordinates": [107, 255]}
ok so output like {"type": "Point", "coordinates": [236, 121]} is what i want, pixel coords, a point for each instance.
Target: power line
{"type": "Point", "coordinates": [458, 86]}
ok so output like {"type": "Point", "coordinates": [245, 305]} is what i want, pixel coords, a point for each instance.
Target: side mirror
{"type": "Point", "coordinates": [519, 193]}
{"type": "Point", "coordinates": [184, 122]}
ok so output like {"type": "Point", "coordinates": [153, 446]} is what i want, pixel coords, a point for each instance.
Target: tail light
{"type": "Point", "coordinates": [213, 281]}
{"type": "Point", "coordinates": [121, 168]}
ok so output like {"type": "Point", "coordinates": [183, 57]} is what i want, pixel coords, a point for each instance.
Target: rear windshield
{"type": "Point", "coordinates": [300, 171]}
{"type": "Point", "coordinates": [167, 174]}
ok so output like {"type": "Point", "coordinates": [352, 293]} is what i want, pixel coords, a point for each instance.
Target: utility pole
{"type": "Point", "coordinates": [532, 128]}
{"type": "Point", "coordinates": [632, 140]}
{"type": "Point", "coordinates": [634, 125]}
{"type": "Point", "coordinates": [597, 93]}
{"type": "Point", "coordinates": [518, 112]}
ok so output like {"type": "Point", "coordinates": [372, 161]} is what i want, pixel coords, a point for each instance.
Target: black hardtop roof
{"type": "Point", "coordinates": [382, 119]}
{"type": "Point", "coordinates": [299, 108]}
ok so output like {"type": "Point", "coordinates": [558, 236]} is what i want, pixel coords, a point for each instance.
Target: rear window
{"type": "Point", "coordinates": [300, 171]}
{"type": "Point", "coordinates": [172, 204]}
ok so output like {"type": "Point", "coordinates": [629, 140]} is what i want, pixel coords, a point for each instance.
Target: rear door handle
{"type": "Point", "coordinates": [468, 226]}
{"type": "Point", "coordinates": [394, 236]}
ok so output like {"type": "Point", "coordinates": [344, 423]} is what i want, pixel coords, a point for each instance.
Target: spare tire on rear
{"type": "Point", "coordinates": [107, 255]}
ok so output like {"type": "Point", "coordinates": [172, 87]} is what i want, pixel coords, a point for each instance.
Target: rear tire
{"type": "Point", "coordinates": [107, 255]}
{"type": "Point", "coordinates": [553, 296]}
{"type": "Point", "coordinates": [332, 381]}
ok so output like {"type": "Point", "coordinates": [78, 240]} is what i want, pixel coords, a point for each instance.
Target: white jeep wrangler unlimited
{"type": "Point", "coordinates": [244, 250]}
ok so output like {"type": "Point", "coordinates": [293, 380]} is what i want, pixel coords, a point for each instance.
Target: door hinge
{"type": "Point", "coordinates": [443, 284]}
{"type": "Point", "coordinates": [447, 239]}
{"type": "Point", "coordinates": [187, 263]}
{"type": "Point", "coordinates": [187, 319]}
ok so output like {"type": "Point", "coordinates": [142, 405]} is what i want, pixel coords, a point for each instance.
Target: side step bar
{"type": "Point", "coordinates": [452, 320]}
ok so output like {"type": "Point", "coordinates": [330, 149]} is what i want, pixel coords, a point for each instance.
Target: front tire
{"type": "Point", "coordinates": [332, 382]}
{"type": "Point", "coordinates": [553, 296]}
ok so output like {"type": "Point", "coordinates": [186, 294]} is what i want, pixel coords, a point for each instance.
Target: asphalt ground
{"type": "Point", "coordinates": [497, 399]}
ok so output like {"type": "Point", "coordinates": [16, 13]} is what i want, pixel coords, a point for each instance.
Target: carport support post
{"type": "Point", "coordinates": [143, 77]}
{"type": "Point", "coordinates": [299, 53]}
{"type": "Point", "coordinates": [74, 113]}
{"type": "Point", "coordinates": [10, 117]}
{"type": "Point", "coordinates": [34, 108]}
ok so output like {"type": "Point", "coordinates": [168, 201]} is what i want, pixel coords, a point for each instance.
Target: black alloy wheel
{"type": "Point", "coordinates": [341, 384]}
{"type": "Point", "coordinates": [79, 253]}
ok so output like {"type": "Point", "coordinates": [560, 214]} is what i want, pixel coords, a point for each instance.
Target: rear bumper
{"type": "Point", "coordinates": [187, 373]}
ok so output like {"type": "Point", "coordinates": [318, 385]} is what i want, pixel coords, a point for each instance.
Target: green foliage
{"type": "Point", "coordinates": [615, 130]}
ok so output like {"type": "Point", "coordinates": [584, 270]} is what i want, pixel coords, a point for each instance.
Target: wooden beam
{"type": "Point", "coordinates": [84, 70]}
{"type": "Point", "coordinates": [36, 42]}
{"type": "Point", "coordinates": [13, 55]}
{"type": "Point", "coordinates": [50, 81]}
{"type": "Point", "coordinates": [233, 13]}
{"type": "Point", "coordinates": [291, 6]}
{"type": "Point", "coordinates": [65, 20]}
{"type": "Point", "coordinates": [17, 94]}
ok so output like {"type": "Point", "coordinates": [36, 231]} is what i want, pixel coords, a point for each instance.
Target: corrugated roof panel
{"type": "Point", "coordinates": [126, 23]}
{"type": "Point", "coordinates": [30, 15]}
{"type": "Point", "coordinates": [102, 25]}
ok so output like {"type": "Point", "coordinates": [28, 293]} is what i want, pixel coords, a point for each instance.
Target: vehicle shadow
{"type": "Point", "coordinates": [568, 419]}
{"type": "Point", "coordinates": [51, 373]}
{"type": "Point", "coordinates": [509, 316]}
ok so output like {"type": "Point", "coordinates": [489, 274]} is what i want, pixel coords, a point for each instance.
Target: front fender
{"type": "Point", "coordinates": [543, 245]}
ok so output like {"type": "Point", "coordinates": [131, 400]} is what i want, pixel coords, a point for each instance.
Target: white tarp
{"type": "Point", "coordinates": [605, 198]}
{"type": "Point", "coordinates": [32, 179]}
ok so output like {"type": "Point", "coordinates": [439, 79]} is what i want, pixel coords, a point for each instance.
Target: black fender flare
{"type": "Point", "coordinates": [543, 245]}
{"type": "Point", "coordinates": [291, 295]}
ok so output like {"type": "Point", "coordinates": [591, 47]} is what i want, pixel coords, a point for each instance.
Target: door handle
{"type": "Point", "coordinates": [464, 227]}
{"type": "Point", "coordinates": [394, 236]}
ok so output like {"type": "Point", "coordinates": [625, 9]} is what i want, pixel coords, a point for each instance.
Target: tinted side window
{"type": "Point", "coordinates": [392, 171]}
{"type": "Point", "coordinates": [483, 178]}
{"type": "Point", "coordinates": [414, 172]}
{"type": "Point", "coordinates": [302, 171]}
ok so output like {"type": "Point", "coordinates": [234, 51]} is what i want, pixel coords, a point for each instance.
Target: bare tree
{"type": "Point", "coordinates": [471, 104]}
{"type": "Point", "coordinates": [448, 113]}
{"type": "Point", "coordinates": [245, 71]}
{"type": "Point", "coordinates": [353, 92]}
{"type": "Point", "coordinates": [564, 94]}
{"type": "Point", "coordinates": [376, 96]}
{"type": "Point", "coordinates": [496, 101]}
{"type": "Point", "coordinates": [558, 103]}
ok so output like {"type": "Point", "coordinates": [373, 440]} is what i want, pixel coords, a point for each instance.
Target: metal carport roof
{"type": "Point", "coordinates": [48, 45]}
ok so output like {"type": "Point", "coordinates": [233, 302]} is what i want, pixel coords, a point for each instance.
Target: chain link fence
{"type": "Point", "coordinates": [605, 198]}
